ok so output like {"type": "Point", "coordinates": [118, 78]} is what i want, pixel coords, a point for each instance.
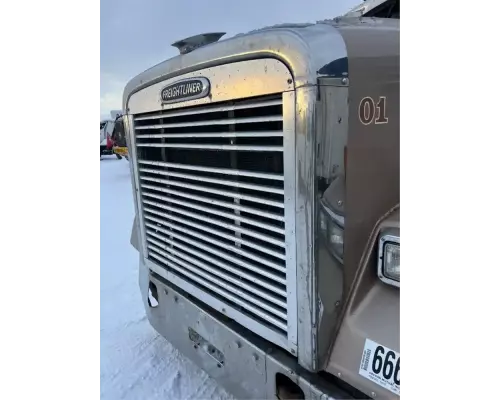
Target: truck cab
{"type": "Point", "coordinates": [106, 130]}
{"type": "Point", "coordinates": [265, 170]}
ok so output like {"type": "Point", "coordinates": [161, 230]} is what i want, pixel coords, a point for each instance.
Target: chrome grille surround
{"type": "Point", "coordinates": [215, 183]}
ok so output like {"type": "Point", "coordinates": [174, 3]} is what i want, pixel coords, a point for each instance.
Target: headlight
{"type": "Point", "coordinates": [332, 229]}
{"type": "Point", "coordinates": [389, 259]}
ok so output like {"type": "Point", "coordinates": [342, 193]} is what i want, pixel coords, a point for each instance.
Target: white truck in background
{"type": "Point", "coordinates": [107, 128]}
{"type": "Point", "coordinates": [98, 140]}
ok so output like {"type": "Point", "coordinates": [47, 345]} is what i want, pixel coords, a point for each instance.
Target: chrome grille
{"type": "Point", "coordinates": [212, 194]}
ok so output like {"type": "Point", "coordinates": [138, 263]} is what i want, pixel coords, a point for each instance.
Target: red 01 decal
{"type": "Point", "coordinates": [370, 112]}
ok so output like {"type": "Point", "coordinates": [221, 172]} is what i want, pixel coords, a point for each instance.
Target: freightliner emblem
{"type": "Point", "coordinates": [186, 89]}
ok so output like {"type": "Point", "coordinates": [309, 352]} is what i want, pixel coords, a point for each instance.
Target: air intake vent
{"type": "Point", "coordinates": [191, 43]}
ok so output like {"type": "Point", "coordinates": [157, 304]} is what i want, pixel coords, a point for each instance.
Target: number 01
{"type": "Point", "coordinates": [370, 112]}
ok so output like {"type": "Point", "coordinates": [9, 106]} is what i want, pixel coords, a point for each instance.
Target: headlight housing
{"type": "Point", "coordinates": [388, 269]}
{"type": "Point", "coordinates": [332, 230]}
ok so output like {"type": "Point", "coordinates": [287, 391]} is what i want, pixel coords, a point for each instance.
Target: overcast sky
{"type": "Point", "coordinates": [137, 34]}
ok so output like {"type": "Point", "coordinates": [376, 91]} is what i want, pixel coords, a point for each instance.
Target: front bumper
{"type": "Point", "coordinates": [243, 363]}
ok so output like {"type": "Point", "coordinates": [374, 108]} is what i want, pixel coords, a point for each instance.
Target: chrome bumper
{"type": "Point", "coordinates": [240, 361]}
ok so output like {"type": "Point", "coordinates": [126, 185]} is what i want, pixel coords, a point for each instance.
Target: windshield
{"type": "Point", "coordinates": [388, 9]}
{"type": "Point", "coordinates": [377, 9]}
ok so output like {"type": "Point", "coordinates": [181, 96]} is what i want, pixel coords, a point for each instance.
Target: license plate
{"type": "Point", "coordinates": [380, 365]}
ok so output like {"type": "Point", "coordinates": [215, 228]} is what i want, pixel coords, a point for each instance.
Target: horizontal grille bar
{"type": "Point", "coordinates": [226, 246]}
{"type": "Point", "coordinates": [212, 147]}
{"type": "Point", "coordinates": [207, 110]}
{"type": "Point", "coordinates": [214, 251]}
{"type": "Point", "coordinates": [224, 171]}
{"type": "Point", "coordinates": [233, 184]}
{"type": "Point", "coordinates": [209, 210]}
{"type": "Point", "coordinates": [216, 191]}
{"type": "Point", "coordinates": [181, 267]}
{"type": "Point", "coordinates": [212, 221]}
{"type": "Point", "coordinates": [204, 228]}
{"type": "Point", "coordinates": [226, 204]}
{"type": "Point", "coordinates": [210, 135]}
{"type": "Point", "coordinates": [280, 301]}
{"type": "Point", "coordinates": [232, 121]}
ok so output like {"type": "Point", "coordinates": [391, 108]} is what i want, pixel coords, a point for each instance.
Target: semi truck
{"type": "Point", "coordinates": [112, 136]}
{"type": "Point", "coordinates": [265, 173]}
{"type": "Point", "coordinates": [106, 130]}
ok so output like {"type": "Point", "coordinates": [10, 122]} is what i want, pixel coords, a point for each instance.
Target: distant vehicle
{"type": "Point", "coordinates": [106, 130]}
{"type": "Point", "coordinates": [265, 174]}
{"type": "Point", "coordinates": [112, 137]}
{"type": "Point", "coordinates": [98, 140]}
{"type": "Point", "coordinates": [119, 139]}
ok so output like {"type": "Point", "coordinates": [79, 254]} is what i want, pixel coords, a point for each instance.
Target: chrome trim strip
{"type": "Point", "coordinates": [134, 168]}
{"type": "Point", "coordinates": [305, 213]}
{"type": "Point", "coordinates": [289, 201]}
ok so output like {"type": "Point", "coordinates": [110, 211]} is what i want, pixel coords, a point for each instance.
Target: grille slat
{"type": "Point", "coordinates": [224, 171]}
{"type": "Point", "coordinates": [278, 300]}
{"type": "Point", "coordinates": [212, 196]}
{"type": "Point", "coordinates": [202, 280]}
{"type": "Point", "coordinates": [228, 147]}
{"type": "Point", "coordinates": [228, 121]}
{"type": "Point", "coordinates": [207, 189]}
{"type": "Point", "coordinates": [221, 263]}
{"type": "Point", "coordinates": [229, 226]}
{"type": "Point", "coordinates": [209, 210]}
{"type": "Point", "coordinates": [224, 204]}
{"type": "Point", "coordinates": [198, 111]}
{"type": "Point", "coordinates": [216, 232]}
{"type": "Point", "coordinates": [210, 135]}
{"type": "Point", "coordinates": [260, 188]}
{"type": "Point", "coordinates": [233, 248]}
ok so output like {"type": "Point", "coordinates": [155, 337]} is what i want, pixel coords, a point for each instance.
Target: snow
{"type": "Point", "coordinates": [136, 362]}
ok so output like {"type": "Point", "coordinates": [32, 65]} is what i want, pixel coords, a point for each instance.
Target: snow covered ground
{"type": "Point", "coordinates": [136, 363]}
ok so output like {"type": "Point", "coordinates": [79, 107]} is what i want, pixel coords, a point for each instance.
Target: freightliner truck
{"type": "Point", "coordinates": [265, 171]}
